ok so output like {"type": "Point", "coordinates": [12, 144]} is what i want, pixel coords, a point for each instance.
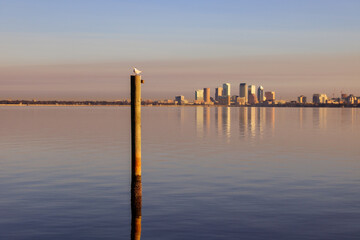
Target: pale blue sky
{"type": "Point", "coordinates": [153, 17]}
{"type": "Point", "coordinates": [43, 33]}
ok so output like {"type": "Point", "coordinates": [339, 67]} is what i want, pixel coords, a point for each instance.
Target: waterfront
{"type": "Point", "coordinates": [208, 173]}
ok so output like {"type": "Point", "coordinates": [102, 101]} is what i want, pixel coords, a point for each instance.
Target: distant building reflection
{"type": "Point", "coordinates": [320, 118]}
{"type": "Point", "coordinates": [270, 119]}
{"type": "Point", "coordinates": [301, 117]}
{"type": "Point", "coordinates": [223, 121]}
{"type": "Point", "coordinates": [243, 117]}
{"type": "Point", "coordinates": [353, 116]}
{"type": "Point", "coordinates": [199, 118]}
{"type": "Point", "coordinates": [218, 120]}
{"type": "Point", "coordinates": [226, 114]}
{"type": "Point", "coordinates": [261, 121]}
{"type": "Point", "coordinates": [182, 116]}
{"type": "Point", "coordinates": [348, 116]}
{"type": "Point", "coordinates": [254, 122]}
{"type": "Point", "coordinates": [207, 119]}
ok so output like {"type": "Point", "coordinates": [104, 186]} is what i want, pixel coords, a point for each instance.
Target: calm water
{"type": "Point", "coordinates": [208, 173]}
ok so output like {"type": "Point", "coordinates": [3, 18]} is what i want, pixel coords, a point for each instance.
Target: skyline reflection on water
{"type": "Point", "coordinates": [208, 173]}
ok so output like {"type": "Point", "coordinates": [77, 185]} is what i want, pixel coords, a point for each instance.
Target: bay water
{"type": "Point", "coordinates": [208, 173]}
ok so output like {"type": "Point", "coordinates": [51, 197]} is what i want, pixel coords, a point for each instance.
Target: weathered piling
{"type": "Point", "coordinates": [136, 185]}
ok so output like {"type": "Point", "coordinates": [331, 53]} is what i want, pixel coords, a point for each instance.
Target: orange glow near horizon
{"type": "Point", "coordinates": [288, 76]}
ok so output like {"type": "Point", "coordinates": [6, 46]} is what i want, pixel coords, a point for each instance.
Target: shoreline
{"type": "Point", "coordinates": [190, 105]}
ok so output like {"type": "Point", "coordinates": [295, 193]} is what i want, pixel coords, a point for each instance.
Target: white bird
{"type": "Point", "coordinates": [136, 71]}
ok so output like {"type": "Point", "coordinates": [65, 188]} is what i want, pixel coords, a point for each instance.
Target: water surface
{"type": "Point", "coordinates": [208, 173]}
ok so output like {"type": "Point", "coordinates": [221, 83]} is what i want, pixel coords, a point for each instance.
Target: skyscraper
{"type": "Point", "coordinates": [260, 94]}
{"type": "Point", "coordinates": [243, 91]}
{"type": "Point", "coordinates": [206, 95]}
{"type": "Point", "coordinates": [252, 89]}
{"type": "Point", "coordinates": [199, 95]}
{"type": "Point", "coordinates": [218, 93]}
{"type": "Point", "coordinates": [226, 89]}
{"type": "Point", "coordinates": [302, 99]}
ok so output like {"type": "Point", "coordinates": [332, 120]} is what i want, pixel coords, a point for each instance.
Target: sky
{"type": "Point", "coordinates": [86, 49]}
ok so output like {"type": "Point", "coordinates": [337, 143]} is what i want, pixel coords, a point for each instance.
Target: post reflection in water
{"type": "Point", "coordinates": [136, 205]}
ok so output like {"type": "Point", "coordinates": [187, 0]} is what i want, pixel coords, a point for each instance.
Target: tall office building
{"type": "Point", "coordinates": [218, 93]}
{"type": "Point", "coordinates": [207, 95]}
{"type": "Point", "coordinates": [252, 89]}
{"type": "Point", "coordinates": [243, 91]}
{"type": "Point", "coordinates": [316, 98]}
{"type": "Point", "coordinates": [199, 95]}
{"type": "Point", "coordinates": [302, 99]}
{"type": "Point", "coordinates": [260, 94]}
{"type": "Point", "coordinates": [226, 89]}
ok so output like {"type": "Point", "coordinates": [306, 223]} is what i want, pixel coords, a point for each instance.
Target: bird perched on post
{"type": "Point", "coordinates": [136, 71]}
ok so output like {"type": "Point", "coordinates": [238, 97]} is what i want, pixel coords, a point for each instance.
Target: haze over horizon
{"type": "Point", "coordinates": [85, 49]}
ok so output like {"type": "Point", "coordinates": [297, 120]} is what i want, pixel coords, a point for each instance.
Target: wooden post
{"type": "Point", "coordinates": [136, 186]}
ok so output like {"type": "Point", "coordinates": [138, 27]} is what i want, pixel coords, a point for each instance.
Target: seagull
{"type": "Point", "coordinates": [136, 71]}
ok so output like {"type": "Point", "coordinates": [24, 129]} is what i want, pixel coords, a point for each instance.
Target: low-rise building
{"type": "Point", "coordinates": [253, 99]}
{"type": "Point", "coordinates": [270, 96]}
{"type": "Point", "coordinates": [351, 99]}
{"type": "Point", "coordinates": [180, 100]}
{"type": "Point", "coordinates": [224, 100]}
{"type": "Point", "coordinates": [320, 98]}
{"type": "Point", "coordinates": [240, 101]}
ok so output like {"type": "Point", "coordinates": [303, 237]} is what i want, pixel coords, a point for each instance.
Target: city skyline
{"type": "Point", "coordinates": [64, 50]}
